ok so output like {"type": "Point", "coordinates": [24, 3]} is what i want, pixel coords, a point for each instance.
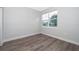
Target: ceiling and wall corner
{"type": "Point", "coordinates": [40, 8]}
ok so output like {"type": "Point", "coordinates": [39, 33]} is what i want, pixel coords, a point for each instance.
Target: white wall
{"type": "Point", "coordinates": [25, 21]}
{"type": "Point", "coordinates": [19, 21]}
{"type": "Point", "coordinates": [0, 25]}
{"type": "Point", "coordinates": [68, 23]}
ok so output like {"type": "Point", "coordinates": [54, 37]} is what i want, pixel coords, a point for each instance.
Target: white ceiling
{"type": "Point", "coordinates": [39, 8]}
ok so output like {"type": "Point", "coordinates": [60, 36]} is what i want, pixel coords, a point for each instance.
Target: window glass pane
{"type": "Point", "coordinates": [45, 23]}
{"type": "Point", "coordinates": [53, 19]}
{"type": "Point", "coordinates": [53, 13]}
{"type": "Point", "coordinates": [45, 16]}
{"type": "Point", "coordinates": [53, 22]}
{"type": "Point", "coordinates": [50, 19]}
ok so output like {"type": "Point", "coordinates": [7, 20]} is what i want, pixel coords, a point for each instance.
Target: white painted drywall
{"type": "Point", "coordinates": [0, 25]}
{"type": "Point", "coordinates": [68, 23]}
{"type": "Point", "coordinates": [20, 21]}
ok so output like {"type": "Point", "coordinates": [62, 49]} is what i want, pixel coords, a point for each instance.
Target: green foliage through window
{"type": "Point", "coordinates": [50, 21]}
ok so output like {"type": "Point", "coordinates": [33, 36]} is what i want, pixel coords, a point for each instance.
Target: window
{"type": "Point", "coordinates": [49, 19]}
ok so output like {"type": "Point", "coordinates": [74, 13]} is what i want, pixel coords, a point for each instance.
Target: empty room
{"type": "Point", "coordinates": [39, 28]}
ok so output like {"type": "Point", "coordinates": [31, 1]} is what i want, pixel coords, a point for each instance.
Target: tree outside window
{"type": "Point", "coordinates": [49, 19]}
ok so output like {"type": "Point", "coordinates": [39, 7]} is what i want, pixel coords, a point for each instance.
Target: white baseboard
{"type": "Point", "coordinates": [15, 38]}
{"type": "Point", "coordinates": [70, 41]}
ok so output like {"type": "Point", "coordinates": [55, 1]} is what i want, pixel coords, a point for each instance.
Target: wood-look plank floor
{"type": "Point", "coordinates": [38, 42]}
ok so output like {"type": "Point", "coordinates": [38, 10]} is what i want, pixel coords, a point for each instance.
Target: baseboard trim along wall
{"type": "Point", "coordinates": [19, 37]}
{"type": "Point", "coordinates": [60, 38]}
{"type": "Point", "coordinates": [15, 38]}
